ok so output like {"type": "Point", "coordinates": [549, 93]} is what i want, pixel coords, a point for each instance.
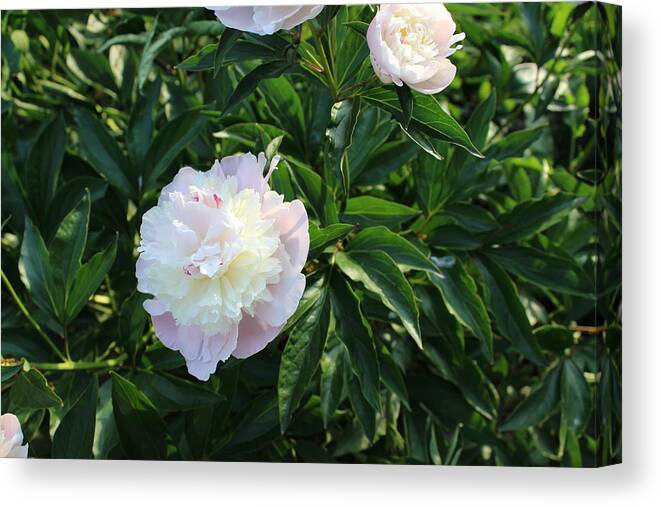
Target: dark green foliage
{"type": "Point", "coordinates": [463, 295]}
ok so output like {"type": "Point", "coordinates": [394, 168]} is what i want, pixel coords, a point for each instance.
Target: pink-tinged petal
{"type": "Point", "coordinates": [383, 60]}
{"type": "Point", "coordinates": [246, 168]}
{"type": "Point", "coordinates": [18, 451]}
{"type": "Point", "coordinates": [270, 19]}
{"type": "Point", "coordinates": [216, 348]}
{"type": "Point", "coordinates": [10, 446]}
{"type": "Point", "coordinates": [439, 81]}
{"type": "Point", "coordinates": [254, 335]}
{"type": "Point", "coordinates": [202, 352]}
{"type": "Point", "coordinates": [240, 18]}
{"type": "Point", "coordinates": [412, 74]}
{"type": "Point", "coordinates": [380, 73]}
{"type": "Point", "coordinates": [154, 307]}
{"type": "Point", "coordinates": [285, 297]}
{"type": "Point", "coordinates": [302, 14]}
{"type": "Point", "coordinates": [184, 179]}
{"type": "Point", "coordinates": [291, 220]}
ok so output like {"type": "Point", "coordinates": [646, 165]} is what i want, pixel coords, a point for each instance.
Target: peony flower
{"type": "Point", "coordinates": [11, 438]}
{"type": "Point", "coordinates": [265, 20]}
{"type": "Point", "coordinates": [409, 44]}
{"type": "Point", "coordinates": [222, 255]}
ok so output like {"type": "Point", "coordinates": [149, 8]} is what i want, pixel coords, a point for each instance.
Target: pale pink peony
{"type": "Point", "coordinates": [409, 44]}
{"type": "Point", "coordinates": [11, 438]}
{"type": "Point", "coordinates": [222, 254]}
{"type": "Point", "coordinates": [264, 19]}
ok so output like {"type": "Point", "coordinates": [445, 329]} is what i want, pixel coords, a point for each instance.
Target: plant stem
{"type": "Point", "coordinates": [65, 338]}
{"type": "Point", "coordinates": [25, 312]}
{"type": "Point", "coordinates": [326, 66]}
{"type": "Point", "coordinates": [81, 365]}
{"type": "Point", "coordinates": [111, 295]}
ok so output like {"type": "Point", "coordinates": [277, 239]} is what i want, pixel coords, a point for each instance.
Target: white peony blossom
{"type": "Point", "coordinates": [410, 44]}
{"type": "Point", "coordinates": [265, 20]}
{"type": "Point", "coordinates": [222, 254]}
{"type": "Point", "coordinates": [11, 438]}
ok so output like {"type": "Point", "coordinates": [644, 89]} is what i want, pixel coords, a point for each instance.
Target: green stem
{"type": "Point", "coordinates": [330, 80]}
{"type": "Point", "coordinates": [81, 365]}
{"type": "Point", "coordinates": [111, 295]}
{"type": "Point", "coordinates": [25, 312]}
{"type": "Point", "coordinates": [65, 337]}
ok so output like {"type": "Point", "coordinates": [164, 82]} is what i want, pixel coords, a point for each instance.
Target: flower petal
{"type": "Point", "coordinates": [438, 81]}
{"type": "Point", "coordinates": [254, 335]}
{"type": "Point", "coordinates": [285, 297]}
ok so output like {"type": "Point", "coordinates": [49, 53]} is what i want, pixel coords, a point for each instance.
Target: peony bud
{"type": "Point", "coordinates": [265, 20]}
{"type": "Point", "coordinates": [11, 438]}
{"type": "Point", "coordinates": [222, 255]}
{"type": "Point", "coordinates": [409, 44]}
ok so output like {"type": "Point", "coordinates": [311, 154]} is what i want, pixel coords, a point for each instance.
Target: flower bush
{"type": "Point", "coordinates": [313, 234]}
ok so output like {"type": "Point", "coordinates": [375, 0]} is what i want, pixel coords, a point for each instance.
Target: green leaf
{"type": "Point", "coordinates": [95, 68]}
{"type": "Point", "coordinates": [508, 312]}
{"type": "Point", "coordinates": [545, 269]}
{"type": "Point", "coordinates": [386, 159]}
{"type": "Point", "coordinates": [332, 382]}
{"type": "Point", "coordinates": [428, 176]}
{"type": "Point", "coordinates": [172, 394]}
{"type": "Point", "coordinates": [225, 43]}
{"type": "Point", "coordinates": [436, 319]}
{"type": "Point", "coordinates": [350, 53]}
{"type": "Point", "coordinates": [322, 238]}
{"type": "Point", "coordinates": [406, 101]}
{"type": "Point", "coordinates": [534, 216]}
{"type": "Point", "coordinates": [369, 211]}
{"type": "Point", "coordinates": [380, 275]}
{"type": "Point", "coordinates": [106, 436]}
{"type": "Point", "coordinates": [478, 128]}
{"type": "Point", "coordinates": [153, 48]}
{"type": "Point", "coordinates": [43, 165]}
{"type": "Point", "coordinates": [402, 251]}
{"type": "Point", "coordinates": [514, 144]}
{"type": "Point", "coordinates": [67, 247]}
{"type": "Point", "coordinates": [250, 81]}
{"type": "Point", "coordinates": [36, 262]}
{"type": "Point", "coordinates": [301, 356]}
{"type": "Point", "coordinates": [89, 278]}
{"type": "Point", "coordinates": [462, 299]}
{"type": "Point", "coordinates": [470, 217]}
{"type": "Point", "coordinates": [575, 398]}
{"type": "Point", "coordinates": [356, 334]}
{"type": "Point", "coordinates": [360, 27]}
{"type": "Point", "coordinates": [453, 237]}
{"type": "Point", "coordinates": [554, 338]}
{"type": "Point", "coordinates": [538, 406]}
{"type": "Point", "coordinates": [464, 373]}
{"type": "Point", "coordinates": [319, 196]}
{"type": "Point", "coordinates": [361, 407]}
{"type": "Point", "coordinates": [75, 434]}
{"type": "Point", "coordinates": [141, 123]}
{"type": "Point", "coordinates": [480, 119]}
{"type": "Point", "coordinates": [169, 142]}
{"type": "Point", "coordinates": [10, 370]}
{"type": "Point", "coordinates": [102, 151]}
{"type": "Point", "coordinates": [132, 321]}
{"type": "Point", "coordinates": [31, 391]}
{"type": "Point", "coordinates": [284, 103]}
{"type": "Point", "coordinates": [141, 430]}
{"type": "Point", "coordinates": [340, 134]}
{"type": "Point", "coordinates": [427, 117]}
{"type": "Point", "coordinates": [392, 376]}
